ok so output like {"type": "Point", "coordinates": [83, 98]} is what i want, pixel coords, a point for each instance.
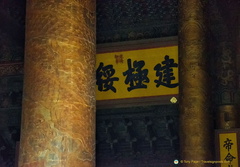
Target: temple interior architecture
{"type": "Point", "coordinates": [119, 83]}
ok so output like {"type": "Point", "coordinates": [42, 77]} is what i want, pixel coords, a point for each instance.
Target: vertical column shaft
{"type": "Point", "coordinates": [195, 127]}
{"type": "Point", "coordinates": [58, 117]}
{"type": "Point", "coordinates": [227, 114]}
{"type": "Point", "coordinates": [226, 69]}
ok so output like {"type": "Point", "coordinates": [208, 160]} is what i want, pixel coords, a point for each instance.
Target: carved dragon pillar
{"type": "Point", "coordinates": [58, 117]}
{"type": "Point", "coordinates": [195, 124]}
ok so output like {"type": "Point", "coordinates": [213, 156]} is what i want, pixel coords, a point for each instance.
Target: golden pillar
{"type": "Point", "coordinates": [226, 36]}
{"type": "Point", "coordinates": [195, 127]}
{"type": "Point", "coordinates": [58, 119]}
{"type": "Point", "coordinates": [227, 114]}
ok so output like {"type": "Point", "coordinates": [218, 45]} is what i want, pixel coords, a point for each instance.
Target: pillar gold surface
{"type": "Point", "coordinates": [58, 117]}
{"type": "Point", "coordinates": [226, 92]}
{"type": "Point", "coordinates": [195, 127]}
{"type": "Point", "coordinates": [227, 117]}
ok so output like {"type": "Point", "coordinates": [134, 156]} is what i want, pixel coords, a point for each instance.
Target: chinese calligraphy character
{"type": "Point", "coordinates": [165, 73]}
{"type": "Point", "coordinates": [229, 157]}
{"type": "Point", "coordinates": [228, 144]}
{"type": "Point", "coordinates": [104, 78]}
{"type": "Point", "coordinates": [136, 76]}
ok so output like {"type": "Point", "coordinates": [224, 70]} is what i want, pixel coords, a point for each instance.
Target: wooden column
{"type": "Point", "coordinates": [195, 126]}
{"type": "Point", "coordinates": [58, 117]}
{"type": "Point", "coordinates": [225, 42]}
{"type": "Point", "coordinates": [227, 112]}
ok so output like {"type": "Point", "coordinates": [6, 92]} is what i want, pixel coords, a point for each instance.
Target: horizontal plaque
{"type": "Point", "coordinates": [137, 73]}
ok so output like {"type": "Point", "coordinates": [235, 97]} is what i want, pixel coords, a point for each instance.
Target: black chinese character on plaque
{"type": "Point", "coordinates": [165, 73]}
{"type": "Point", "coordinates": [228, 144]}
{"type": "Point", "coordinates": [105, 78]}
{"type": "Point", "coordinates": [229, 157]}
{"type": "Point", "coordinates": [136, 76]}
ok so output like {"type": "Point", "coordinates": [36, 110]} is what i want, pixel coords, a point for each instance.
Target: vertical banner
{"type": "Point", "coordinates": [228, 147]}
